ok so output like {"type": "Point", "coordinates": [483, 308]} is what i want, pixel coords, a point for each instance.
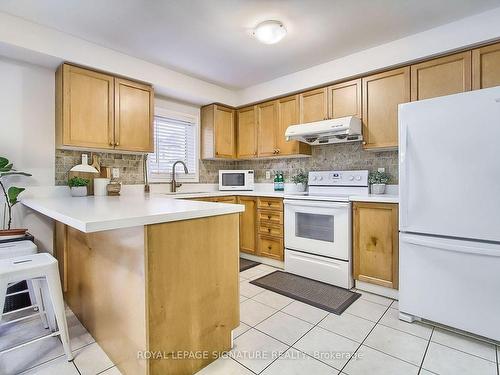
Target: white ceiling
{"type": "Point", "coordinates": [210, 39]}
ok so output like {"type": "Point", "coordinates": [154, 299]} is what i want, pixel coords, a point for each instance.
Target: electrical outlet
{"type": "Point", "coordinates": [381, 169]}
{"type": "Point", "coordinates": [268, 175]}
{"type": "Point", "coordinates": [115, 172]}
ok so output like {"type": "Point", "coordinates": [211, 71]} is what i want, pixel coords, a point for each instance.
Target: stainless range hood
{"type": "Point", "coordinates": [339, 130]}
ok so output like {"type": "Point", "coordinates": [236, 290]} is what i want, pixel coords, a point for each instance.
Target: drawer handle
{"type": "Point", "coordinates": [269, 204]}
{"type": "Point", "coordinates": [269, 247]}
{"type": "Point", "coordinates": [269, 230]}
{"type": "Point", "coordinates": [269, 216]}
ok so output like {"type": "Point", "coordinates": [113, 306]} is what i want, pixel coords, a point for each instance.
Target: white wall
{"type": "Point", "coordinates": [17, 34]}
{"type": "Point", "coordinates": [27, 112]}
{"type": "Point", "coordinates": [465, 32]}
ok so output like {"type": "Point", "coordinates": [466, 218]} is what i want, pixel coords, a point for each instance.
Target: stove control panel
{"type": "Point", "coordinates": [338, 178]}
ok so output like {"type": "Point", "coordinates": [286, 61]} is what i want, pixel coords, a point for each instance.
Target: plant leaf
{"type": "Point", "coordinates": [13, 173]}
{"type": "Point", "coordinates": [3, 161]}
{"type": "Point", "coordinates": [13, 193]}
{"type": "Point", "coordinates": [6, 168]}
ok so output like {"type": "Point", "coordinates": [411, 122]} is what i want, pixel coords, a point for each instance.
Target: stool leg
{"type": "Point", "coordinates": [31, 292]}
{"type": "Point", "coordinates": [56, 296]}
{"type": "Point", "coordinates": [3, 292]}
{"type": "Point", "coordinates": [47, 305]}
{"type": "Point", "coordinates": [34, 284]}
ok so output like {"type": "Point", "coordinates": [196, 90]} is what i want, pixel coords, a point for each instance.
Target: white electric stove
{"type": "Point", "coordinates": [318, 227]}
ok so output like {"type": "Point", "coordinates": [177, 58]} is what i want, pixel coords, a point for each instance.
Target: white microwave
{"type": "Point", "coordinates": [237, 179]}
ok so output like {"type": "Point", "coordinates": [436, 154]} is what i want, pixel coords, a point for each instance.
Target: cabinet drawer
{"type": "Point", "coordinates": [271, 203]}
{"type": "Point", "coordinates": [229, 199]}
{"type": "Point", "coordinates": [271, 247]}
{"type": "Point", "coordinates": [270, 229]}
{"type": "Point", "coordinates": [271, 217]}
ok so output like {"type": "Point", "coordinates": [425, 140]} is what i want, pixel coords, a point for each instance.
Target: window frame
{"type": "Point", "coordinates": [181, 177]}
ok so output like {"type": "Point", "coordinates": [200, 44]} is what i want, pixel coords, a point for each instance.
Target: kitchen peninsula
{"type": "Point", "coordinates": [149, 276]}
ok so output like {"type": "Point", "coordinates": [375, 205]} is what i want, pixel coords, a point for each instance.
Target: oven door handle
{"type": "Point", "coordinates": [306, 203]}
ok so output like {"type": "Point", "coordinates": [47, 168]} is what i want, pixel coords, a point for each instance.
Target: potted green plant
{"type": "Point", "coordinates": [10, 194]}
{"type": "Point", "coordinates": [378, 181]}
{"type": "Point", "coordinates": [300, 180]}
{"type": "Point", "coordinates": [78, 186]}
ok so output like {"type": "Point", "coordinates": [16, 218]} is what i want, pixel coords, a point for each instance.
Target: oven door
{"type": "Point", "coordinates": [320, 228]}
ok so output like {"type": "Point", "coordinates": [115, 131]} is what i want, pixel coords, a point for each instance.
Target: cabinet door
{"type": "Point", "coordinates": [85, 108]}
{"type": "Point", "coordinates": [228, 199]}
{"type": "Point", "coordinates": [313, 105]}
{"type": "Point", "coordinates": [224, 132]}
{"type": "Point", "coordinates": [288, 114]}
{"type": "Point", "coordinates": [486, 67]}
{"type": "Point", "coordinates": [344, 99]}
{"type": "Point", "coordinates": [247, 133]}
{"type": "Point", "coordinates": [381, 95]}
{"type": "Point", "coordinates": [133, 116]}
{"type": "Point", "coordinates": [375, 242]}
{"type": "Point", "coordinates": [248, 225]}
{"type": "Point", "coordinates": [444, 76]}
{"type": "Point", "coordinates": [267, 122]}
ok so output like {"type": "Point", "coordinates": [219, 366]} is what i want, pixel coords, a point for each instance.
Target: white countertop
{"type": "Point", "coordinates": [376, 198]}
{"type": "Point", "coordinates": [93, 214]}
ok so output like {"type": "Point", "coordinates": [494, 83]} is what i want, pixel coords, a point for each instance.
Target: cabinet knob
{"type": "Point", "coordinates": [278, 151]}
{"type": "Point", "coordinates": [269, 217]}
{"type": "Point", "coordinates": [364, 142]}
{"type": "Point", "coordinates": [117, 144]}
{"type": "Point", "coordinates": [111, 144]}
{"type": "Point", "coordinates": [269, 230]}
{"type": "Point", "coordinates": [269, 247]}
{"type": "Point", "coordinates": [216, 152]}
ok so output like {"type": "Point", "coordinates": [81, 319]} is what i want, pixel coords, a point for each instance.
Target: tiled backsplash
{"type": "Point", "coordinates": [326, 157]}
{"type": "Point", "coordinates": [130, 165]}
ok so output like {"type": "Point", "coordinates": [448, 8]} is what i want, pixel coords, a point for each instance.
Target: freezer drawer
{"type": "Point", "coordinates": [452, 282]}
{"type": "Point", "coordinates": [330, 271]}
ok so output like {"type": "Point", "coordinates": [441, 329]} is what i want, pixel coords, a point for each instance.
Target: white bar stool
{"type": "Point", "coordinates": [43, 272]}
{"type": "Point", "coordinates": [16, 249]}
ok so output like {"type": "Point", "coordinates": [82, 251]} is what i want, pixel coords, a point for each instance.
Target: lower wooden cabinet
{"type": "Point", "coordinates": [376, 243]}
{"type": "Point", "coordinates": [271, 247]}
{"type": "Point", "coordinates": [248, 225]}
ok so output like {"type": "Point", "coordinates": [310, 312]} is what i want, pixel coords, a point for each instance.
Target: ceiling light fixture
{"type": "Point", "coordinates": [270, 32]}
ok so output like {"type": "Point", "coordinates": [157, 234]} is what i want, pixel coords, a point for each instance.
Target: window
{"type": "Point", "coordinates": [175, 138]}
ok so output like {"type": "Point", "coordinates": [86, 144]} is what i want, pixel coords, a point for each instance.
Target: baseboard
{"type": "Point", "coordinates": [377, 289]}
{"type": "Point", "coordinates": [269, 262]}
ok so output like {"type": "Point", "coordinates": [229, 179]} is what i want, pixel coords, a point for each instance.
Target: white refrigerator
{"type": "Point", "coordinates": [449, 175]}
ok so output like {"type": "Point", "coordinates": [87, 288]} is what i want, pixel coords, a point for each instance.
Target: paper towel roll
{"type": "Point", "coordinates": [100, 185]}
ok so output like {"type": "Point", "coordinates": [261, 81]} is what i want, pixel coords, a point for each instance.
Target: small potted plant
{"type": "Point", "coordinates": [10, 194]}
{"type": "Point", "coordinates": [378, 180]}
{"type": "Point", "coordinates": [78, 186]}
{"type": "Point", "coordinates": [300, 180]}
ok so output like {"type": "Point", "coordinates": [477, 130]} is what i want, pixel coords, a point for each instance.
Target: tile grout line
{"type": "Point", "coordinates": [361, 344]}
{"type": "Point", "coordinates": [425, 352]}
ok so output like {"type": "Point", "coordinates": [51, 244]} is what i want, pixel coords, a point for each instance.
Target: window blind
{"type": "Point", "coordinates": [174, 140]}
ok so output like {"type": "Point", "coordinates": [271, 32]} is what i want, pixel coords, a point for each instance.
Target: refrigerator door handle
{"type": "Point", "coordinates": [453, 247]}
{"type": "Point", "coordinates": [403, 176]}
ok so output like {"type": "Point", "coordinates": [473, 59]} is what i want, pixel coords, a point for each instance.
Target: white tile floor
{"type": "Point", "coordinates": [279, 335]}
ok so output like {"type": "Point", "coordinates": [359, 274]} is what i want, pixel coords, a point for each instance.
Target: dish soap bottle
{"type": "Point", "coordinates": [276, 182]}
{"type": "Point", "coordinates": [281, 182]}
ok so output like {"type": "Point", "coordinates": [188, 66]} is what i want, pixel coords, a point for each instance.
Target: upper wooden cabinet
{"type": "Point", "coordinates": [267, 124]}
{"type": "Point", "coordinates": [84, 108]}
{"type": "Point", "coordinates": [344, 99]}
{"type": "Point", "coordinates": [313, 105]}
{"type": "Point", "coordinates": [382, 93]}
{"type": "Point", "coordinates": [486, 67]}
{"type": "Point", "coordinates": [247, 133]}
{"type": "Point", "coordinates": [217, 132]}
{"type": "Point", "coordinates": [443, 76]}
{"type": "Point", "coordinates": [288, 114]}
{"type": "Point", "coordinates": [99, 111]}
{"type": "Point", "coordinates": [134, 114]}
{"type": "Point", "coordinates": [375, 243]}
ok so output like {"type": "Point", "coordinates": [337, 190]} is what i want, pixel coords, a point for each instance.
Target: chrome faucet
{"type": "Point", "coordinates": [174, 183]}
